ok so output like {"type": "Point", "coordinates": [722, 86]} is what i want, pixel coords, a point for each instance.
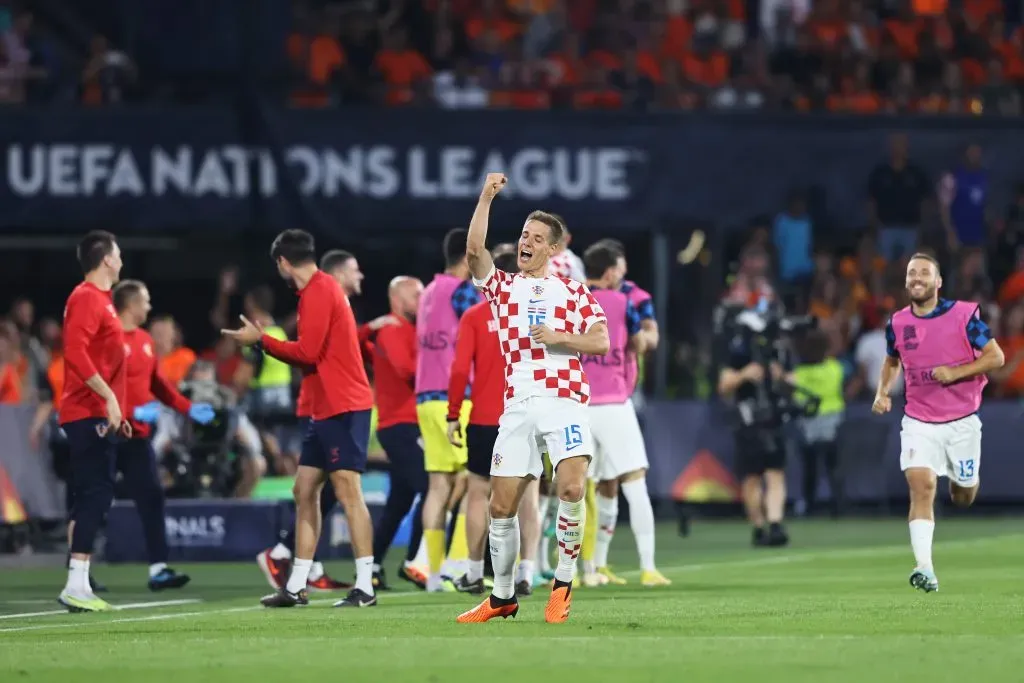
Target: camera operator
{"type": "Point", "coordinates": [755, 376]}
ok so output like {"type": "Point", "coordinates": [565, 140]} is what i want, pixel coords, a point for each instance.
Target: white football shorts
{"type": "Point", "coordinates": [620, 443]}
{"type": "Point", "coordinates": [559, 427]}
{"type": "Point", "coordinates": [950, 449]}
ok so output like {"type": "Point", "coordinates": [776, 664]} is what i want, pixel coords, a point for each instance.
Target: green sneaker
{"type": "Point", "coordinates": [76, 605]}
{"type": "Point", "coordinates": [924, 580]}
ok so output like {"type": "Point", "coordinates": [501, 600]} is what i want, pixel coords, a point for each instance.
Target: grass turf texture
{"type": "Point", "coordinates": [834, 607]}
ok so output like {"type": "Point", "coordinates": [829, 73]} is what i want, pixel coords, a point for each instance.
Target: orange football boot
{"type": "Point", "coordinates": [559, 602]}
{"type": "Point", "coordinates": [485, 611]}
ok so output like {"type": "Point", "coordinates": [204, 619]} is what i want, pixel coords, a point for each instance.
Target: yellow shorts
{"type": "Point", "coordinates": [438, 453]}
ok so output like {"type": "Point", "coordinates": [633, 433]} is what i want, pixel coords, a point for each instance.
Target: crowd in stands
{"type": "Point", "coordinates": [852, 289]}
{"type": "Point", "coordinates": [856, 56]}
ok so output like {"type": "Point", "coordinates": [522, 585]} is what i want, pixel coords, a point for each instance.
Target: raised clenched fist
{"type": "Point", "coordinates": [493, 184]}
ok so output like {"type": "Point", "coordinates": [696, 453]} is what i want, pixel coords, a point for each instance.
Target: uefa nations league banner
{"type": "Point", "coordinates": [353, 169]}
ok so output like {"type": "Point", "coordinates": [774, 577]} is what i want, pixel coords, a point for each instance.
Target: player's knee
{"type": "Point", "coordinates": [347, 487]}
{"type": "Point", "coordinates": [572, 491]}
{"type": "Point", "coordinates": [922, 487]}
{"type": "Point", "coordinates": [501, 509]}
{"type": "Point", "coordinates": [962, 496]}
{"type": "Point", "coordinates": [305, 492]}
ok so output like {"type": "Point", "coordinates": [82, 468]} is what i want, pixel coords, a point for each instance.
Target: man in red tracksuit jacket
{"type": "Point", "coordinates": [147, 388]}
{"type": "Point", "coordinates": [92, 406]}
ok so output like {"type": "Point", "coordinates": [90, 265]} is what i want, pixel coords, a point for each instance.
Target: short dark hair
{"type": "Point", "coordinates": [262, 298]}
{"type": "Point", "coordinates": [454, 246]}
{"type": "Point", "coordinates": [506, 261]}
{"type": "Point", "coordinates": [926, 257]}
{"type": "Point", "coordinates": [598, 258]}
{"type": "Point", "coordinates": [297, 247]}
{"type": "Point", "coordinates": [94, 247]}
{"type": "Point", "coordinates": [613, 244]}
{"type": "Point", "coordinates": [334, 259]}
{"type": "Point", "coordinates": [554, 222]}
{"type": "Point", "coordinates": [125, 291]}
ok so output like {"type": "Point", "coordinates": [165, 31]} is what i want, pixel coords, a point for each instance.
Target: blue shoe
{"type": "Point", "coordinates": [924, 580]}
{"type": "Point", "coordinates": [168, 578]}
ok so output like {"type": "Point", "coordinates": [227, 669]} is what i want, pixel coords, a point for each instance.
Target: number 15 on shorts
{"type": "Point", "coordinates": [573, 437]}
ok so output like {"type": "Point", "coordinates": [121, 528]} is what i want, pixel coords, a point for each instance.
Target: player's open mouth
{"type": "Point", "coordinates": [525, 255]}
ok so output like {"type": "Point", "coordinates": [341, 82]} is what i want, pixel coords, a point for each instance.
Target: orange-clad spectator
{"type": "Point", "coordinates": [319, 57]}
{"type": "Point", "coordinates": [904, 29]}
{"type": "Point", "coordinates": [401, 67]}
{"type": "Point", "coordinates": [1012, 290]}
{"type": "Point", "coordinates": [929, 8]}
{"type": "Point", "coordinates": [175, 358]}
{"type": "Point", "coordinates": [596, 91]}
{"type": "Point", "coordinates": [566, 67]}
{"type": "Point", "coordinates": [826, 24]}
{"type": "Point", "coordinates": [707, 67]}
{"type": "Point", "coordinates": [1010, 51]}
{"type": "Point", "coordinates": [492, 17]}
{"type": "Point", "coordinates": [10, 380]}
{"type": "Point", "coordinates": [1009, 379]}
{"type": "Point", "coordinates": [856, 95]}
{"type": "Point", "coordinates": [678, 31]}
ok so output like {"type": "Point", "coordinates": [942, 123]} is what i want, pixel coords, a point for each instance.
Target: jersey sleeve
{"type": "Point", "coordinates": [978, 333]}
{"type": "Point", "coordinates": [634, 322]}
{"type": "Point", "coordinates": [890, 341]}
{"type": "Point", "coordinates": [590, 311]}
{"type": "Point", "coordinates": [496, 282]}
{"type": "Point", "coordinates": [464, 296]}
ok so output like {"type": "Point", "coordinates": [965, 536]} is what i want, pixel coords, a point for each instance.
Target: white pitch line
{"type": "Point", "coordinates": [761, 561]}
{"type": "Point", "coordinates": [132, 605]}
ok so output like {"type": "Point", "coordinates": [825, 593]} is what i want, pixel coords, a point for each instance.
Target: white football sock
{"type": "Point", "coordinates": [316, 570]}
{"type": "Point", "coordinates": [544, 553]}
{"type": "Point", "coordinates": [364, 574]}
{"type": "Point", "coordinates": [525, 571]}
{"type": "Point", "coordinates": [504, 540]}
{"type": "Point", "coordinates": [475, 571]}
{"type": "Point", "coordinates": [299, 576]}
{"type": "Point", "coordinates": [78, 578]}
{"type": "Point", "coordinates": [569, 532]}
{"type": "Point", "coordinates": [280, 552]}
{"type": "Point", "coordinates": [421, 555]}
{"type": "Point", "coordinates": [607, 516]}
{"type": "Point", "coordinates": [156, 568]}
{"type": "Point", "coordinates": [921, 533]}
{"type": "Point", "coordinates": [641, 520]}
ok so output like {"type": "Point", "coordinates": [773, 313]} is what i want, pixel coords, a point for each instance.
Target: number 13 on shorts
{"type": "Point", "coordinates": [573, 437]}
{"type": "Point", "coordinates": [965, 469]}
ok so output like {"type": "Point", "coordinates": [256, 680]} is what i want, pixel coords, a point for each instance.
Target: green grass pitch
{"type": "Point", "coordinates": [834, 607]}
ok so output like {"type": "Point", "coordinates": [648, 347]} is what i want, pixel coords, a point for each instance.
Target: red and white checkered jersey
{"type": "Point", "coordinates": [566, 264]}
{"type": "Point", "coordinates": [562, 304]}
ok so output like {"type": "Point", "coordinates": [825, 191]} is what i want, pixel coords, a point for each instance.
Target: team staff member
{"type": "Point", "coordinates": [276, 562]}
{"type": "Point", "coordinates": [394, 369]}
{"type": "Point", "coordinates": [92, 405]}
{"type": "Point", "coordinates": [444, 301]}
{"type": "Point", "coordinates": [146, 390]}
{"type": "Point", "coordinates": [334, 448]}
{"type": "Point", "coordinates": [478, 352]}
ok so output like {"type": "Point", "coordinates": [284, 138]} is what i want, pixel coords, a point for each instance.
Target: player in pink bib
{"type": "Point", "coordinates": [945, 351]}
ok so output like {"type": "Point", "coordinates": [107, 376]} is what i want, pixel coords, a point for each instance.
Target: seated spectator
{"type": "Point", "coordinates": [318, 58]}
{"type": "Point", "coordinates": [401, 67]}
{"type": "Point", "coordinates": [107, 75]}
{"type": "Point", "coordinates": [175, 358]}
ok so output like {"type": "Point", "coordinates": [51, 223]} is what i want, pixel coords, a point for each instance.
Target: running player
{"type": "Point", "coordinates": [622, 456]}
{"type": "Point", "coordinates": [146, 390]}
{"type": "Point", "coordinates": [276, 562]}
{"type": "Point", "coordinates": [544, 324]}
{"type": "Point", "coordinates": [478, 352]}
{"type": "Point", "coordinates": [334, 447]}
{"type": "Point", "coordinates": [91, 407]}
{"type": "Point", "coordinates": [945, 350]}
{"type": "Point", "coordinates": [443, 303]}
{"type": "Point", "coordinates": [394, 367]}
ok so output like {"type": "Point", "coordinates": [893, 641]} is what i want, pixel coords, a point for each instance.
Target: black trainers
{"type": "Point", "coordinates": [464, 585]}
{"type": "Point", "coordinates": [777, 536]}
{"type": "Point", "coordinates": [524, 589]}
{"type": "Point", "coordinates": [283, 598]}
{"type": "Point", "coordinates": [168, 578]}
{"type": "Point", "coordinates": [357, 598]}
{"type": "Point", "coordinates": [759, 539]}
{"type": "Point", "coordinates": [380, 581]}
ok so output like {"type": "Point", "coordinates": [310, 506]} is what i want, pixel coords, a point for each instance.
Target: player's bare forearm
{"type": "Point", "coordinates": [477, 256]}
{"type": "Point", "coordinates": [728, 381]}
{"type": "Point", "coordinates": [593, 342]}
{"type": "Point", "coordinates": [890, 369]}
{"type": "Point", "coordinates": [103, 389]}
{"type": "Point", "coordinates": [991, 358]}
{"type": "Point", "coordinates": [650, 330]}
